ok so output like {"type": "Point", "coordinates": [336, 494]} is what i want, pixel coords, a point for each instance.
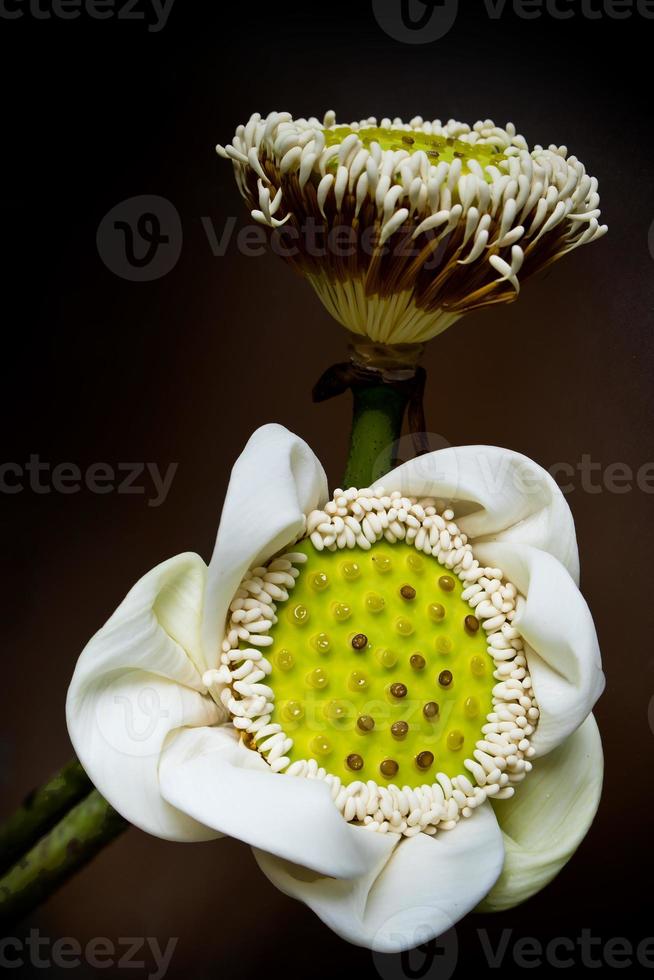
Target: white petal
{"type": "Point", "coordinates": [135, 681]}
{"type": "Point", "coordinates": [421, 887]}
{"type": "Point", "coordinates": [504, 496]}
{"type": "Point", "coordinates": [209, 774]}
{"type": "Point", "coordinates": [546, 820]}
{"type": "Point", "coordinates": [563, 656]}
{"type": "Point", "coordinates": [275, 482]}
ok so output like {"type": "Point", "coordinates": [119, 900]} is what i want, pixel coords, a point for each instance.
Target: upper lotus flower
{"type": "Point", "coordinates": [387, 694]}
{"type": "Point", "coordinates": [401, 228]}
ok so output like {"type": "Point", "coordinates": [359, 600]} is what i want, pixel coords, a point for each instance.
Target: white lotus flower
{"type": "Point", "coordinates": [172, 707]}
{"type": "Point", "coordinates": [401, 228]}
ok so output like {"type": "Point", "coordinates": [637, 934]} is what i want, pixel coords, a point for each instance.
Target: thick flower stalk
{"type": "Point", "coordinates": [386, 692]}
{"type": "Point", "coordinates": [401, 228]}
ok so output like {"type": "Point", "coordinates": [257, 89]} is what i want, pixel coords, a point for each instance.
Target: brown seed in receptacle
{"type": "Point", "coordinates": [365, 723]}
{"type": "Point", "coordinates": [409, 140]}
{"type": "Point", "coordinates": [389, 768]}
{"type": "Point", "coordinates": [398, 690]}
{"type": "Point", "coordinates": [424, 760]}
{"type": "Point", "coordinates": [445, 678]}
{"type": "Point", "coordinates": [354, 762]}
{"type": "Point", "coordinates": [471, 623]}
{"type": "Point", "coordinates": [408, 592]}
{"type": "Point", "coordinates": [431, 709]}
{"type": "Point", "coordinates": [446, 583]}
{"type": "Point", "coordinates": [360, 641]}
{"type": "Point", "coordinates": [399, 729]}
{"type": "Point", "coordinates": [417, 661]}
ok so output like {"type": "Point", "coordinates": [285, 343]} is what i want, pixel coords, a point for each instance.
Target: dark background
{"type": "Point", "coordinates": [183, 368]}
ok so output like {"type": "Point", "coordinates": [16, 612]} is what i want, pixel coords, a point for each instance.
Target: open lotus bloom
{"type": "Point", "coordinates": [401, 228]}
{"type": "Point", "coordinates": [386, 693]}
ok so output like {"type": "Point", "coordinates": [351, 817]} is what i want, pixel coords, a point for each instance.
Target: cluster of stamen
{"type": "Point", "coordinates": [375, 678]}
{"type": "Point", "coordinates": [432, 219]}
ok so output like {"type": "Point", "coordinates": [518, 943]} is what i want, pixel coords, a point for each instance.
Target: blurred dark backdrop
{"type": "Point", "coordinates": [181, 369]}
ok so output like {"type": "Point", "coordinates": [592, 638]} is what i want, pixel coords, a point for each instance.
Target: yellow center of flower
{"type": "Point", "coordinates": [437, 148]}
{"type": "Point", "coordinates": [380, 669]}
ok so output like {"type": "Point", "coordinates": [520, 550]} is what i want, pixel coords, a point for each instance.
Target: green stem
{"type": "Point", "coordinates": [378, 412]}
{"type": "Point", "coordinates": [40, 811]}
{"type": "Point", "coordinates": [78, 837]}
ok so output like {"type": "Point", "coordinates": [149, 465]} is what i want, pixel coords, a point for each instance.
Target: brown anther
{"type": "Point", "coordinates": [399, 729]}
{"type": "Point", "coordinates": [398, 690]}
{"type": "Point", "coordinates": [417, 661]}
{"type": "Point", "coordinates": [445, 678]}
{"type": "Point", "coordinates": [354, 762]}
{"type": "Point", "coordinates": [424, 760]}
{"type": "Point", "coordinates": [360, 641]}
{"type": "Point", "coordinates": [365, 723]}
{"type": "Point", "coordinates": [446, 583]}
{"type": "Point", "coordinates": [431, 709]}
{"type": "Point", "coordinates": [389, 768]}
{"type": "Point", "coordinates": [471, 623]}
{"type": "Point", "coordinates": [408, 592]}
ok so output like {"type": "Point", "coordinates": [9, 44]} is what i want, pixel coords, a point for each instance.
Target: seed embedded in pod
{"type": "Point", "coordinates": [415, 563]}
{"type": "Point", "coordinates": [404, 626]}
{"type": "Point", "coordinates": [455, 740]}
{"type": "Point", "coordinates": [446, 583]}
{"type": "Point", "coordinates": [359, 641]}
{"type": "Point", "coordinates": [408, 592]}
{"type": "Point", "coordinates": [350, 570]}
{"type": "Point", "coordinates": [471, 624]}
{"type": "Point", "coordinates": [399, 729]}
{"type": "Point", "coordinates": [471, 707]}
{"type": "Point", "coordinates": [365, 723]}
{"type": "Point", "coordinates": [445, 678]}
{"type": "Point", "coordinates": [336, 710]}
{"type": "Point", "coordinates": [387, 658]}
{"type": "Point", "coordinates": [318, 678]}
{"type": "Point", "coordinates": [417, 661]}
{"type": "Point", "coordinates": [382, 563]}
{"type": "Point", "coordinates": [375, 602]}
{"type": "Point", "coordinates": [341, 611]}
{"type": "Point", "coordinates": [321, 643]}
{"type": "Point", "coordinates": [443, 645]}
{"type": "Point", "coordinates": [299, 614]}
{"type": "Point", "coordinates": [319, 581]}
{"type": "Point", "coordinates": [436, 612]}
{"type": "Point", "coordinates": [477, 666]}
{"type": "Point", "coordinates": [358, 681]}
{"type": "Point", "coordinates": [430, 710]}
{"type": "Point", "coordinates": [354, 762]}
{"type": "Point", "coordinates": [398, 690]}
{"type": "Point", "coordinates": [424, 760]}
{"type": "Point", "coordinates": [284, 659]}
{"type": "Point", "coordinates": [389, 768]}
{"type": "Point", "coordinates": [293, 710]}
{"type": "Point", "coordinates": [320, 745]}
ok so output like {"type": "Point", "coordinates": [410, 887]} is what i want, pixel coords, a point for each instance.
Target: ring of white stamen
{"type": "Point", "coordinates": [360, 518]}
{"type": "Point", "coordinates": [488, 226]}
